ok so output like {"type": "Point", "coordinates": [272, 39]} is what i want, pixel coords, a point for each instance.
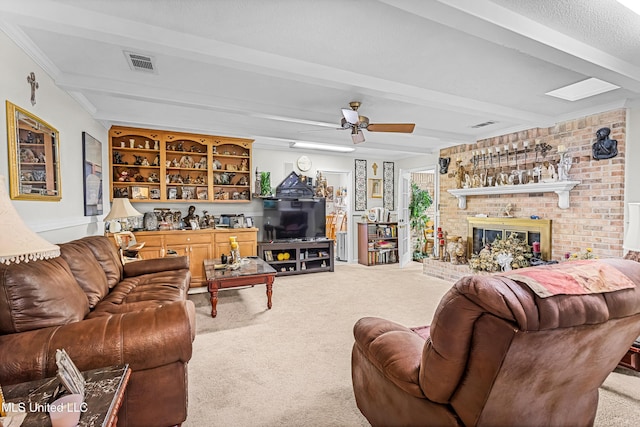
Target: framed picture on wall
{"type": "Point", "coordinates": [374, 188]}
{"type": "Point", "coordinates": [92, 173]}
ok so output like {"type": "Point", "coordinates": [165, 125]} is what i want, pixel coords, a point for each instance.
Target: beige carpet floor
{"type": "Point", "coordinates": [290, 366]}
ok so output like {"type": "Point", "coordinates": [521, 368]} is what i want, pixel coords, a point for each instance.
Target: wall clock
{"type": "Point", "coordinates": [304, 163]}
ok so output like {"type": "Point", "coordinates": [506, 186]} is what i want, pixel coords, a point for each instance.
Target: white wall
{"type": "Point", "coordinates": [55, 221]}
{"type": "Point", "coordinates": [632, 157]}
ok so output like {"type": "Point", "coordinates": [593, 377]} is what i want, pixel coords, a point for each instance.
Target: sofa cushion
{"type": "Point", "coordinates": [107, 256]}
{"type": "Point", "coordinates": [86, 270]}
{"type": "Point", "coordinates": [39, 294]}
{"type": "Point", "coordinates": [145, 291]}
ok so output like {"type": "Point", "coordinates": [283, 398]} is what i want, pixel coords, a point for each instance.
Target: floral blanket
{"type": "Point", "coordinates": [571, 278]}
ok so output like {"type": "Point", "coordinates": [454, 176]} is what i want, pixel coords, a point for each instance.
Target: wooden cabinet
{"type": "Point", "coordinates": [161, 166]}
{"type": "Point", "coordinates": [298, 257]}
{"type": "Point", "coordinates": [247, 240]}
{"type": "Point", "coordinates": [198, 245]}
{"type": "Point", "coordinates": [377, 243]}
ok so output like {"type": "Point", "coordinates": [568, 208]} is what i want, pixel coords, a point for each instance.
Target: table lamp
{"type": "Point", "coordinates": [632, 238]}
{"type": "Point", "coordinates": [19, 242]}
{"type": "Point", "coordinates": [121, 210]}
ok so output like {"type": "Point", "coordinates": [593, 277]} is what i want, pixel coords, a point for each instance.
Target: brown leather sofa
{"type": "Point", "coordinates": [102, 313]}
{"type": "Point", "coordinates": [497, 354]}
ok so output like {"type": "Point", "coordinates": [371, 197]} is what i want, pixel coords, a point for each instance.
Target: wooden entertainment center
{"type": "Point", "coordinates": [298, 256]}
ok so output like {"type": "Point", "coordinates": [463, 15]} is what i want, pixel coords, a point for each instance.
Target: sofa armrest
{"type": "Point", "coordinates": [155, 265]}
{"type": "Point", "coordinates": [396, 351]}
{"type": "Point", "coordinates": [145, 339]}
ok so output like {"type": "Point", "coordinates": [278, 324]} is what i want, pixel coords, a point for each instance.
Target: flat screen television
{"type": "Point", "coordinates": [292, 219]}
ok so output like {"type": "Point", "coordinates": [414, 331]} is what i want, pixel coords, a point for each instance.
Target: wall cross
{"type": "Point", "coordinates": [31, 79]}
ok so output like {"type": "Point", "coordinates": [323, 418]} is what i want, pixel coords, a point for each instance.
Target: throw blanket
{"type": "Point", "coordinates": [571, 278]}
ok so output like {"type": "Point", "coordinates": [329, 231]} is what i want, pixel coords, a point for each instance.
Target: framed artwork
{"type": "Point", "coordinates": [268, 256]}
{"type": "Point", "coordinates": [249, 221]}
{"type": "Point", "coordinates": [34, 159]}
{"type": "Point", "coordinates": [360, 185]}
{"type": "Point", "coordinates": [92, 172]}
{"type": "Point", "coordinates": [374, 188]}
{"type": "Point", "coordinates": [139, 192]}
{"type": "Point", "coordinates": [388, 175]}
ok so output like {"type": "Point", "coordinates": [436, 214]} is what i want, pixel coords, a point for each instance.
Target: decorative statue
{"type": "Point", "coordinates": [604, 148]}
{"type": "Point", "coordinates": [457, 251]}
{"type": "Point", "coordinates": [444, 164]}
{"type": "Point", "coordinates": [460, 174]}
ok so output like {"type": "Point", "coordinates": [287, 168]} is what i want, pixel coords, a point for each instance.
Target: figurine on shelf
{"type": "Point", "coordinates": [117, 158]}
{"type": "Point", "coordinates": [460, 174]}
{"type": "Point", "coordinates": [124, 176]}
{"type": "Point", "coordinates": [244, 165]}
{"type": "Point", "coordinates": [191, 216]}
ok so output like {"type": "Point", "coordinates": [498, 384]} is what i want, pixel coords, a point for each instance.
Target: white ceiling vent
{"type": "Point", "coordinates": [138, 62]}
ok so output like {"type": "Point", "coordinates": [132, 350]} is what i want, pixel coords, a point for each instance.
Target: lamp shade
{"type": "Point", "coordinates": [632, 238]}
{"type": "Point", "coordinates": [18, 242]}
{"type": "Point", "coordinates": [121, 208]}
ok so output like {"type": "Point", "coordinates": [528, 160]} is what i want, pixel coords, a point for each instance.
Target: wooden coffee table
{"type": "Point", "coordinates": [253, 271]}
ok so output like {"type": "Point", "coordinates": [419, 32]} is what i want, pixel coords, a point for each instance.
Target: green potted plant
{"type": "Point", "coordinates": [418, 218]}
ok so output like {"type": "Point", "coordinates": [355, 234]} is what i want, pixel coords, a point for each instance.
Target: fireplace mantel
{"type": "Point", "coordinates": [561, 188]}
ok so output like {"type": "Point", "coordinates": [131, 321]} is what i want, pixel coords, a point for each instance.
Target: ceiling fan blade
{"type": "Point", "coordinates": [357, 136]}
{"type": "Point", "coordinates": [391, 127]}
{"type": "Point", "coordinates": [350, 115]}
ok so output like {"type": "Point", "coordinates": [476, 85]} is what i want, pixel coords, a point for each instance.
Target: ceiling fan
{"type": "Point", "coordinates": [354, 121]}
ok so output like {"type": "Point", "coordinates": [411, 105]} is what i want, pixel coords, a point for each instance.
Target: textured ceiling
{"type": "Point", "coordinates": [281, 70]}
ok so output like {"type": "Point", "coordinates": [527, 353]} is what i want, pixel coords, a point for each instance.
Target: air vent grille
{"type": "Point", "coordinates": [481, 125]}
{"type": "Point", "coordinates": [138, 62]}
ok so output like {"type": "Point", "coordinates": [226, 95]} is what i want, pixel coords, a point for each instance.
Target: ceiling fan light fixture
{"type": "Point", "coordinates": [357, 136]}
{"type": "Point", "coordinates": [344, 124]}
{"type": "Point", "coordinates": [363, 122]}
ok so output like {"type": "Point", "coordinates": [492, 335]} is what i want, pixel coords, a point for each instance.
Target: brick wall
{"type": "Point", "coordinates": [595, 217]}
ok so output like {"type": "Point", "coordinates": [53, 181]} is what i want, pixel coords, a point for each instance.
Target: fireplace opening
{"type": "Point", "coordinates": [484, 230]}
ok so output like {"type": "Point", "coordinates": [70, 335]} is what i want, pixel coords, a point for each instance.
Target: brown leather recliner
{"type": "Point", "coordinates": [497, 354]}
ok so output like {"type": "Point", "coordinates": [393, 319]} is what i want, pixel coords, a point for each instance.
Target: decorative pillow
{"type": "Point", "coordinates": [39, 294]}
{"type": "Point", "coordinates": [87, 270]}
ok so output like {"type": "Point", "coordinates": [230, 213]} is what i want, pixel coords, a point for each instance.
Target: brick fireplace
{"type": "Point", "coordinates": [594, 216]}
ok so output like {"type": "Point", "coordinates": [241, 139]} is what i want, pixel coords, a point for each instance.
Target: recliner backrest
{"type": "Point", "coordinates": [499, 352]}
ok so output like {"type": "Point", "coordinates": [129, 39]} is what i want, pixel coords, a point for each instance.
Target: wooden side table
{"type": "Point", "coordinates": [104, 392]}
{"type": "Point", "coordinates": [631, 360]}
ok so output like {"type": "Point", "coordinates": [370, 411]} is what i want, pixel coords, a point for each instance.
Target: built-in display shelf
{"type": "Point", "coordinates": [561, 188]}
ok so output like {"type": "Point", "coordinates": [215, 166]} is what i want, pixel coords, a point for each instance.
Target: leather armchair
{"type": "Point", "coordinates": [496, 354]}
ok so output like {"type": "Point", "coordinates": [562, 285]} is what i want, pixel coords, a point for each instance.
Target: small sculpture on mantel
{"type": "Point", "coordinates": [604, 148]}
{"type": "Point", "coordinates": [508, 211]}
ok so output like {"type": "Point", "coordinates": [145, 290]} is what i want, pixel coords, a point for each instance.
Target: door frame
{"type": "Point", "coordinates": [403, 203]}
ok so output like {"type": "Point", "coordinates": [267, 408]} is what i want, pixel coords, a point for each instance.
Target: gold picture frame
{"type": "Point", "coordinates": [34, 158]}
{"type": "Point", "coordinates": [139, 192]}
{"type": "Point", "coordinates": [374, 188]}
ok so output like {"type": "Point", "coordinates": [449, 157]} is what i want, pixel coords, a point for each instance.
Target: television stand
{"type": "Point", "coordinates": [298, 257]}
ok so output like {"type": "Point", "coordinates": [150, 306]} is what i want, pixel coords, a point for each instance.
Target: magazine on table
{"type": "Point", "coordinates": [68, 373]}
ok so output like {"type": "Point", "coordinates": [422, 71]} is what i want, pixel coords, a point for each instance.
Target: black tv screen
{"type": "Point", "coordinates": [287, 219]}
